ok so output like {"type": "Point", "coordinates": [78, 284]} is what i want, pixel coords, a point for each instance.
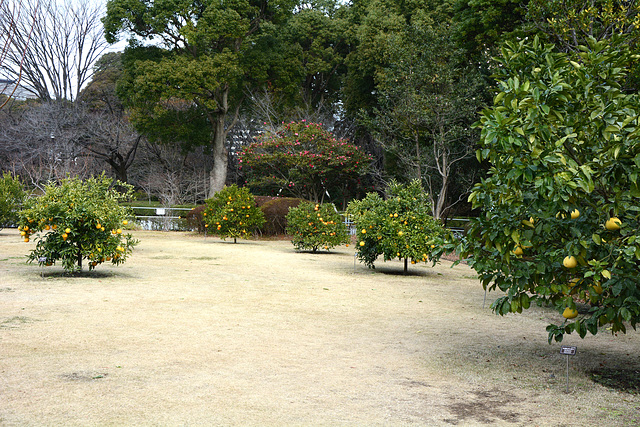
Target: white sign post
{"type": "Point", "coordinates": [568, 350]}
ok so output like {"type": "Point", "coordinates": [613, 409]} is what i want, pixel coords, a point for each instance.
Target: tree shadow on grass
{"type": "Point", "coordinates": [84, 274]}
{"type": "Point", "coordinates": [399, 271]}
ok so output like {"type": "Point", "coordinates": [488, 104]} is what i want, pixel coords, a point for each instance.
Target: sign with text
{"type": "Point", "coordinates": [569, 350]}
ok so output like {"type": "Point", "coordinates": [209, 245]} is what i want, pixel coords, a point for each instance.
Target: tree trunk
{"type": "Point", "coordinates": [406, 265]}
{"type": "Point", "coordinates": [79, 259]}
{"type": "Point", "coordinates": [218, 174]}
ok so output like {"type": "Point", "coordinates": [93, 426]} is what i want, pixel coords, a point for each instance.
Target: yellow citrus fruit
{"type": "Point", "coordinates": [26, 240]}
{"type": "Point", "coordinates": [125, 222]}
{"type": "Point", "coordinates": [570, 262]}
{"type": "Point", "coordinates": [518, 250]}
{"type": "Point", "coordinates": [22, 233]}
{"type": "Point", "coordinates": [361, 243]}
{"type": "Point", "coordinates": [364, 231]}
{"type": "Point", "coordinates": [98, 226]}
{"type": "Point", "coordinates": [575, 214]}
{"type": "Point", "coordinates": [46, 227]}
{"type": "Point", "coordinates": [569, 313]}
{"type": "Point", "coordinates": [64, 236]}
{"type": "Point", "coordinates": [67, 230]}
{"type": "Point", "coordinates": [400, 233]}
{"type": "Point", "coordinates": [612, 224]}
{"type": "Point", "coordinates": [119, 231]}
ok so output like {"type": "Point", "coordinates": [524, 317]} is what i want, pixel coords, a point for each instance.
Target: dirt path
{"type": "Point", "coordinates": [205, 332]}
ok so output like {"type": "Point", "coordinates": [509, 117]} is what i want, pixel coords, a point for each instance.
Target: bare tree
{"type": "Point", "coordinates": [53, 44]}
{"type": "Point", "coordinates": [42, 142]}
{"type": "Point", "coordinates": [10, 16]}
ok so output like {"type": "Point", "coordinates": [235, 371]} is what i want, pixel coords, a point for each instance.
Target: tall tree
{"type": "Point", "coordinates": [11, 21]}
{"type": "Point", "coordinates": [53, 45]}
{"type": "Point", "coordinates": [191, 87]}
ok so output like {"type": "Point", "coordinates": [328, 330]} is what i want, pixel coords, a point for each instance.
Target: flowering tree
{"type": "Point", "coordinates": [304, 160]}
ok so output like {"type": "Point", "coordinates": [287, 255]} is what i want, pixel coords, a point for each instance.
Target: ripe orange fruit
{"type": "Point", "coordinates": [26, 240]}
{"type": "Point", "coordinates": [125, 222]}
{"type": "Point", "coordinates": [98, 226]}
{"type": "Point", "coordinates": [362, 243]}
{"type": "Point", "coordinates": [67, 230]}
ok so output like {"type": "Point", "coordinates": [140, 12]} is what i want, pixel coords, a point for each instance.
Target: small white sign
{"type": "Point", "coordinates": [42, 259]}
{"type": "Point", "coordinates": [569, 350]}
{"type": "Point", "coordinates": [160, 211]}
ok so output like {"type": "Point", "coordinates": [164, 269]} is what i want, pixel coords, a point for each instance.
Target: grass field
{"type": "Point", "coordinates": [204, 332]}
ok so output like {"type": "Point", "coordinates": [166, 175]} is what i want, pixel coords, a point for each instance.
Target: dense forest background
{"type": "Point", "coordinates": [197, 82]}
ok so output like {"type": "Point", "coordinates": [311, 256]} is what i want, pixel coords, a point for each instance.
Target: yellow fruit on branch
{"type": "Point", "coordinates": [362, 243]}
{"type": "Point", "coordinates": [570, 262]}
{"type": "Point", "coordinates": [518, 251]}
{"type": "Point", "coordinates": [613, 224]}
{"type": "Point", "coordinates": [575, 214]}
{"type": "Point", "coordinates": [569, 313]}
{"type": "Point", "coordinates": [125, 222]}
{"type": "Point", "coordinates": [67, 230]}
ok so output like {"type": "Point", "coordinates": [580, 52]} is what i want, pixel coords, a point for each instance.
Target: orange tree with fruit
{"type": "Point", "coordinates": [313, 226]}
{"type": "Point", "coordinates": [77, 220]}
{"type": "Point", "coordinates": [560, 206]}
{"type": "Point", "coordinates": [400, 226]}
{"type": "Point", "coordinates": [232, 212]}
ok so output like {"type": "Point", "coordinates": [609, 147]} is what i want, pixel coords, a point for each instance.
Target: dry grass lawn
{"type": "Point", "coordinates": [204, 332]}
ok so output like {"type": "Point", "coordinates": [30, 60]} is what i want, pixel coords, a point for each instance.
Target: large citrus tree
{"type": "Point", "coordinates": [77, 220]}
{"type": "Point", "coordinates": [561, 204]}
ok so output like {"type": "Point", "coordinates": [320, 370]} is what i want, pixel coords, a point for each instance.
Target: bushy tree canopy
{"type": "Point", "coordinates": [76, 220]}
{"type": "Point", "coordinates": [304, 160]}
{"type": "Point", "coordinates": [400, 226]}
{"type": "Point", "coordinates": [561, 204]}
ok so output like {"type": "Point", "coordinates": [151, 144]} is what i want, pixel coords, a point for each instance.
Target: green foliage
{"type": "Point", "coordinates": [232, 212]}
{"type": "Point", "coordinates": [561, 137]}
{"type": "Point", "coordinates": [304, 160]}
{"type": "Point", "coordinates": [313, 226]}
{"type": "Point", "coordinates": [399, 227]}
{"type": "Point", "coordinates": [427, 102]}
{"type": "Point", "coordinates": [77, 220]}
{"type": "Point", "coordinates": [12, 196]}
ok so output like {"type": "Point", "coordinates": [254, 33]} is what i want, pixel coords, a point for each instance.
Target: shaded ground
{"type": "Point", "coordinates": [204, 332]}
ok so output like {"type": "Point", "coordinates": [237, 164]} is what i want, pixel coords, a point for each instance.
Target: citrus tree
{"type": "Point", "coordinates": [561, 204]}
{"type": "Point", "coordinates": [12, 195]}
{"type": "Point", "coordinates": [76, 220]}
{"type": "Point", "coordinates": [400, 226]}
{"type": "Point", "coordinates": [232, 212]}
{"type": "Point", "coordinates": [304, 160]}
{"type": "Point", "coordinates": [313, 226]}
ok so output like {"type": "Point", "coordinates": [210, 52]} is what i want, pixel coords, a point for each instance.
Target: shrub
{"type": "Point", "coordinates": [12, 196]}
{"type": "Point", "coordinates": [77, 220]}
{"type": "Point", "coordinates": [399, 227]}
{"type": "Point", "coordinates": [232, 212]}
{"type": "Point", "coordinates": [275, 213]}
{"type": "Point", "coordinates": [195, 219]}
{"type": "Point", "coordinates": [313, 226]}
